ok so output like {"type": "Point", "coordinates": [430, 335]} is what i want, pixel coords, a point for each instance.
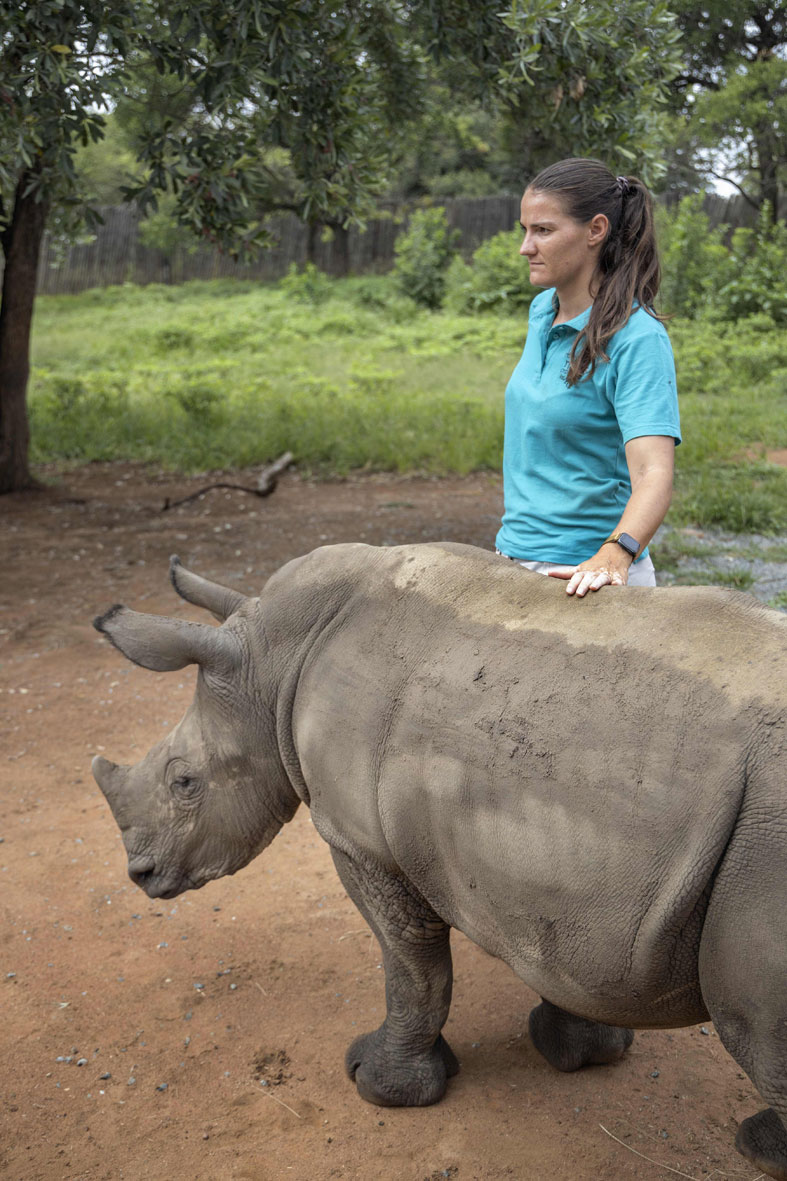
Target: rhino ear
{"type": "Point", "coordinates": [219, 600]}
{"type": "Point", "coordinates": [163, 644]}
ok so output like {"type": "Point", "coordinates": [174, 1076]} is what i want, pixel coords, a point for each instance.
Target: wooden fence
{"type": "Point", "coordinates": [115, 255]}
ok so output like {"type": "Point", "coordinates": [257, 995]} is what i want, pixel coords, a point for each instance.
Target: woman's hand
{"type": "Point", "coordinates": [609, 567]}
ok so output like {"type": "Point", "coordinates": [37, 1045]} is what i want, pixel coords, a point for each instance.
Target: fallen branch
{"type": "Point", "coordinates": [266, 482]}
{"type": "Point", "coordinates": [649, 1159]}
{"type": "Point", "coordinates": [283, 1104]}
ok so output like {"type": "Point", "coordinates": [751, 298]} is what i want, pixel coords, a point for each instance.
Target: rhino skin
{"type": "Point", "coordinates": [593, 791]}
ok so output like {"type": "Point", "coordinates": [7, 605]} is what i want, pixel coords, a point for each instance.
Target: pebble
{"type": "Point", "coordinates": [81, 1061]}
{"type": "Point", "coordinates": [131, 1081]}
{"type": "Point", "coordinates": [705, 1031]}
{"type": "Point", "coordinates": [199, 986]}
{"type": "Point", "coordinates": [162, 1086]}
{"type": "Point", "coordinates": [654, 1073]}
{"type": "Point", "coordinates": [105, 1075]}
{"type": "Point", "coordinates": [10, 975]}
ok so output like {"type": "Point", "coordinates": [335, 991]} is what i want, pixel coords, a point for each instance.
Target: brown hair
{"type": "Point", "coordinates": [628, 268]}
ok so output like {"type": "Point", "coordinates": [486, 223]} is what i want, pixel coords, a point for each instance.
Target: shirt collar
{"type": "Point", "coordinates": [578, 322]}
{"type": "Point", "coordinates": [547, 314]}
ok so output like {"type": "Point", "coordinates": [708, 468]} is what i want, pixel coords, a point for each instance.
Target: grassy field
{"type": "Point", "coordinates": [225, 374]}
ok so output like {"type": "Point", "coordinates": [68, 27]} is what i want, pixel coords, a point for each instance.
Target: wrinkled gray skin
{"type": "Point", "coordinates": [594, 791]}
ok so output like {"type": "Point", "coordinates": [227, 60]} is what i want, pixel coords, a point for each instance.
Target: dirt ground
{"type": "Point", "coordinates": [203, 1038]}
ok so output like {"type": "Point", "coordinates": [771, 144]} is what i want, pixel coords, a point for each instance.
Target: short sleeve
{"type": "Point", "coordinates": [643, 386]}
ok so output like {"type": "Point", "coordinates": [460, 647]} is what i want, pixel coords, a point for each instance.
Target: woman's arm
{"type": "Point", "coordinates": [651, 462]}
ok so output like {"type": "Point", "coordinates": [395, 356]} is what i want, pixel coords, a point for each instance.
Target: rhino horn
{"type": "Point", "coordinates": [110, 778]}
{"type": "Point", "coordinates": [163, 644]}
{"type": "Point", "coordinates": [219, 600]}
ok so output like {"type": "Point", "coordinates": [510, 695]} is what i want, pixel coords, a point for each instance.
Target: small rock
{"type": "Point", "coordinates": [199, 987]}
{"type": "Point", "coordinates": [105, 1075]}
{"type": "Point", "coordinates": [233, 987]}
{"type": "Point", "coordinates": [131, 1081]}
{"type": "Point", "coordinates": [206, 1136]}
{"type": "Point", "coordinates": [10, 975]}
{"type": "Point", "coordinates": [654, 1074]}
{"type": "Point", "coordinates": [81, 1061]}
{"type": "Point", "coordinates": [705, 1031]}
{"type": "Point", "coordinates": [162, 1086]}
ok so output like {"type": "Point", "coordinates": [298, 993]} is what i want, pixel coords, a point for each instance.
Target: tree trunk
{"type": "Point", "coordinates": [21, 245]}
{"type": "Point", "coordinates": [311, 241]}
{"type": "Point", "coordinates": [767, 157]}
{"type": "Point", "coordinates": [341, 251]}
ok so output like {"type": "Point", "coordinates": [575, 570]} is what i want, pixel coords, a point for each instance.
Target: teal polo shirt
{"type": "Point", "coordinates": [565, 478]}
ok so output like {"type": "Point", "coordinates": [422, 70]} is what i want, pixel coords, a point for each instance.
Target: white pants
{"type": "Point", "coordinates": [641, 573]}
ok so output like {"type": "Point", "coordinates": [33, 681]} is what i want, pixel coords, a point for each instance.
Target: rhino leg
{"type": "Point", "coordinates": [406, 1062]}
{"type": "Point", "coordinates": [568, 1042]}
{"type": "Point", "coordinates": [743, 976]}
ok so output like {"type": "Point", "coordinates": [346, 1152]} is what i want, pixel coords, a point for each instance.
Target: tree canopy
{"type": "Point", "coordinates": [732, 94]}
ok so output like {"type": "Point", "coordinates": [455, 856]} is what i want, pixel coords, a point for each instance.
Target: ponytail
{"type": "Point", "coordinates": [628, 269]}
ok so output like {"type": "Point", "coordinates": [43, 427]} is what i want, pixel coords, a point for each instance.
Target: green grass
{"type": "Point", "coordinates": [736, 579]}
{"type": "Point", "coordinates": [229, 374]}
{"type": "Point", "coordinates": [669, 553]}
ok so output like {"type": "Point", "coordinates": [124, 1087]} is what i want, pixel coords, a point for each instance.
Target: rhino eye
{"type": "Point", "coordinates": [186, 786]}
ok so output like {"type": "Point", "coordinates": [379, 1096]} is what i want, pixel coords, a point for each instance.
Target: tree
{"type": "Point", "coordinates": [732, 90]}
{"type": "Point", "coordinates": [289, 104]}
{"type": "Point", "coordinates": [321, 80]}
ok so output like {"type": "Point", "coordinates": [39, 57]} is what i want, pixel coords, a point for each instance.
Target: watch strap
{"type": "Point", "coordinates": [626, 542]}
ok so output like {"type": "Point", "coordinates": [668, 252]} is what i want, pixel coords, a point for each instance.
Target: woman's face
{"type": "Point", "coordinates": [561, 252]}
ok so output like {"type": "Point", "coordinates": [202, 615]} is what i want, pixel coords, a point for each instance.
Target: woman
{"type": "Point", "coordinates": [591, 408]}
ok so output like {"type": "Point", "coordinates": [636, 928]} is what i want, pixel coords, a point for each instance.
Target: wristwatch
{"type": "Point", "coordinates": [626, 542]}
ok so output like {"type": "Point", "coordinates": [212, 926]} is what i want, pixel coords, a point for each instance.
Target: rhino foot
{"type": "Point", "coordinates": [762, 1140]}
{"type": "Point", "coordinates": [568, 1042]}
{"type": "Point", "coordinates": [392, 1078]}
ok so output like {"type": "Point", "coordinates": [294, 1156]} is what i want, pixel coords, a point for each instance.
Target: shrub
{"type": "Point", "coordinates": [496, 281]}
{"type": "Point", "coordinates": [694, 258]}
{"type": "Point", "coordinates": [423, 254]}
{"type": "Point", "coordinates": [309, 285]}
{"type": "Point", "coordinates": [758, 266]}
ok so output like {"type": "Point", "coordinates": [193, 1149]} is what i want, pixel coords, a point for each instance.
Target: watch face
{"type": "Point", "coordinates": [629, 544]}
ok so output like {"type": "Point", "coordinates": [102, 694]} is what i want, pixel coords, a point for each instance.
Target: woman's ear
{"type": "Point", "coordinates": [598, 228]}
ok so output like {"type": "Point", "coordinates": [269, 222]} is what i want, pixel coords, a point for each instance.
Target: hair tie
{"type": "Point", "coordinates": [624, 187]}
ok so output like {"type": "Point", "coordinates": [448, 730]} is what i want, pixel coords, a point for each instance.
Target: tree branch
{"type": "Point", "coordinates": [754, 204]}
{"type": "Point", "coordinates": [697, 80]}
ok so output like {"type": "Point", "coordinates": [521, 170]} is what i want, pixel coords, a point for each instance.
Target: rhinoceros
{"type": "Point", "coordinates": [593, 791]}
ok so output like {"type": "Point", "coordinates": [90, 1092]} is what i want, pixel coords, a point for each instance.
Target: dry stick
{"type": "Point", "coordinates": [650, 1159]}
{"type": "Point", "coordinates": [262, 990]}
{"type": "Point", "coordinates": [266, 483]}
{"type": "Point", "coordinates": [271, 1095]}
